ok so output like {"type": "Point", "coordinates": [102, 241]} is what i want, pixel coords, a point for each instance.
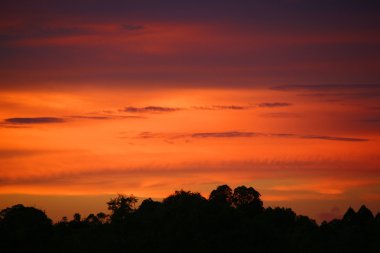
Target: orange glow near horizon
{"type": "Point", "coordinates": [288, 147]}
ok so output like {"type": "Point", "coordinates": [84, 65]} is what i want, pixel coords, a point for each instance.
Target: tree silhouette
{"type": "Point", "coordinates": [184, 203]}
{"type": "Point", "coordinates": [221, 196]}
{"type": "Point", "coordinates": [27, 229]}
{"type": "Point", "coordinates": [364, 215]}
{"type": "Point", "coordinates": [149, 206]}
{"type": "Point", "coordinates": [247, 199]}
{"type": "Point", "coordinates": [350, 215]}
{"type": "Point", "coordinates": [377, 218]}
{"type": "Point", "coordinates": [101, 217]}
{"type": "Point", "coordinates": [77, 217]}
{"type": "Point", "coordinates": [121, 207]}
{"type": "Point", "coordinates": [229, 221]}
{"type": "Point", "coordinates": [92, 219]}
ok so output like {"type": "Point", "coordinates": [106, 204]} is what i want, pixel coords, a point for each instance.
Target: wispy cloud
{"type": "Point", "coordinates": [239, 134]}
{"type": "Point", "coordinates": [23, 122]}
{"type": "Point", "coordinates": [332, 138]}
{"type": "Point", "coordinates": [150, 109]}
{"type": "Point", "coordinates": [35, 120]}
{"type": "Point", "coordinates": [232, 134]}
{"type": "Point", "coordinates": [162, 109]}
{"type": "Point", "coordinates": [222, 107]}
{"type": "Point", "coordinates": [242, 107]}
{"type": "Point", "coordinates": [276, 104]}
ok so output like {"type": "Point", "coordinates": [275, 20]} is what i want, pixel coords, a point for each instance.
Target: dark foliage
{"type": "Point", "coordinates": [24, 229]}
{"type": "Point", "coordinates": [229, 221]}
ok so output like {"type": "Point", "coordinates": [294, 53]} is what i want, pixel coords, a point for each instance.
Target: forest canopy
{"type": "Point", "coordinates": [227, 221]}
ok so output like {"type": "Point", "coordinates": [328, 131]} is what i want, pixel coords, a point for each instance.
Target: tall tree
{"type": "Point", "coordinates": [247, 199]}
{"type": "Point", "coordinates": [222, 195]}
{"type": "Point", "coordinates": [121, 207]}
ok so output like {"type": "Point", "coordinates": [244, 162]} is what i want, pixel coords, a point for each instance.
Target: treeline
{"type": "Point", "coordinates": [228, 221]}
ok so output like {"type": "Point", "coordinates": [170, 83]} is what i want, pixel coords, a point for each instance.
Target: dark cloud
{"type": "Point", "coordinates": [151, 135]}
{"type": "Point", "coordinates": [150, 109]}
{"type": "Point", "coordinates": [281, 135]}
{"type": "Point", "coordinates": [332, 138]}
{"type": "Point", "coordinates": [36, 120]}
{"type": "Point", "coordinates": [232, 134]}
{"type": "Point", "coordinates": [221, 107]}
{"type": "Point", "coordinates": [24, 122]}
{"type": "Point", "coordinates": [276, 104]}
{"type": "Point", "coordinates": [155, 109]}
{"type": "Point", "coordinates": [318, 137]}
{"type": "Point", "coordinates": [239, 134]}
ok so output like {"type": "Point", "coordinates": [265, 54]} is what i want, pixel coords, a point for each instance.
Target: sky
{"type": "Point", "coordinates": [148, 97]}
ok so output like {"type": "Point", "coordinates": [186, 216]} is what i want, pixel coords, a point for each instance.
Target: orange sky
{"type": "Point", "coordinates": [292, 148]}
{"type": "Point", "coordinates": [95, 102]}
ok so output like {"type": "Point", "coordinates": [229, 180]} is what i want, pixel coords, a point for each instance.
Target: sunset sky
{"type": "Point", "coordinates": [150, 96]}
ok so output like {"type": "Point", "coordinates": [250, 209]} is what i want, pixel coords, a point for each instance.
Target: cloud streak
{"type": "Point", "coordinates": [232, 134]}
{"type": "Point", "coordinates": [34, 120]}
{"type": "Point", "coordinates": [276, 104]}
{"type": "Point", "coordinates": [240, 107]}
{"type": "Point", "coordinates": [221, 107]}
{"type": "Point", "coordinates": [22, 122]}
{"type": "Point", "coordinates": [163, 109]}
{"type": "Point", "coordinates": [239, 134]}
{"type": "Point", "coordinates": [332, 138]}
{"type": "Point", "coordinates": [150, 109]}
